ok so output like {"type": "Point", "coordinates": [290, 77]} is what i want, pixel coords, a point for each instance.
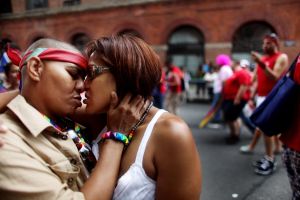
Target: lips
{"type": "Point", "coordinates": [85, 101]}
{"type": "Point", "coordinates": [78, 100]}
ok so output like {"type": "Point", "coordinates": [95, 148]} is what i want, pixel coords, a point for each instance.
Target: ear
{"type": "Point", "coordinates": [34, 68]}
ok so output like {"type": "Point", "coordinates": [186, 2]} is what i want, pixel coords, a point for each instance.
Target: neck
{"type": "Point", "coordinates": [36, 101]}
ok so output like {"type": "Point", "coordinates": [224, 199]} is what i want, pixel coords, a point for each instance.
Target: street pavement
{"type": "Point", "coordinates": [226, 173]}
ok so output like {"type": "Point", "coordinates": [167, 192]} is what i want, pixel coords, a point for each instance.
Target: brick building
{"type": "Point", "coordinates": [190, 31]}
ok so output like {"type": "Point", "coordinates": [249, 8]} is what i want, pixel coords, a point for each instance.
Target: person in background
{"type": "Point", "coordinates": [236, 93]}
{"type": "Point", "coordinates": [159, 91]}
{"type": "Point", "coordinates": [291, 141]}
{"type": "Point", "coordinates": [269, 69]}
{"type": "Point", "coordinates": [223, 62]}
{"type": "Point", "coordinates": [173, 79]}
{"type": "Point", "coordinates": [250, 106]}
{"type": "Point", "coordinates": [185, 84]}
{"type": "Point", "coordinates": [201, 85]}
{"type": "Point", "coordinates": [210, 77]}
{"type": "Point", "coordinates": [9, 80]}
{"type": "Point", "coordinates": [11, 76]}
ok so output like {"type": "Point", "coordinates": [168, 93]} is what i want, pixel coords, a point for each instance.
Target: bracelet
{"type": "Point", "coordinates": [120, 137]}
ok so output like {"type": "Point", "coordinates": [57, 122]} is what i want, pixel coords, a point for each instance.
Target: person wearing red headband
{"type": "Point", "coordinates": [269, 69]}
{"type": "Point", "coordinates": [44, 155]}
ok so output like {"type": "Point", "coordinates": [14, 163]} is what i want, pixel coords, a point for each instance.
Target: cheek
{"type": "Point", "coordinates": [101, 93]}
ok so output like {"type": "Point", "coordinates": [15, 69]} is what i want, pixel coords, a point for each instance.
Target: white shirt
{"type": "Point", "coordinates": [224, 73]}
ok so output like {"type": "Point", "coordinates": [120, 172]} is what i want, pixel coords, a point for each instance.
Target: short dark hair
{"type": "Point", "coordinates": [273, 37]}
{"type": "Point", "coordinates": [134, 64]}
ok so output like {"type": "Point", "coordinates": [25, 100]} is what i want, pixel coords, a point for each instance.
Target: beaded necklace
{"type": "Point", "coordinates": [141, 120]}
{"type": "Point", "coordinates": [74, 131]}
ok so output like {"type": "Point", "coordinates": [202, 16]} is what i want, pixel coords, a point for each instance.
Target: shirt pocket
{"type": "Point", "coordinates": [67, 172]}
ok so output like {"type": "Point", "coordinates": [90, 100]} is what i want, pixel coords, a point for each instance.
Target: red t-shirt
{"type": "Point", "coordinates": [264, 83]}
{"type": "Point", "coordinates": [233, 83]}
{"type": "Point", "coordinates": [291, 138]}
{"type": "Point", "coordinates": [175, 71]}
{"type": "Point", "coordinates": [163, 84]}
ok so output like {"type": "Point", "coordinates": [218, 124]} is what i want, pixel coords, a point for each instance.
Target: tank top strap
{"type": "Point", "coordinates": [147, 134]}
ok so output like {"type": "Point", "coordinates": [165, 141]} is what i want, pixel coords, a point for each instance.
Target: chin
{"type": "Point", "coordinates": [89, 110]}
{"type": "Point", "coordinates": [92, 110]}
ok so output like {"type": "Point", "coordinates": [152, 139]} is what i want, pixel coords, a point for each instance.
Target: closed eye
{"type": "Point", "coordinates": [76, 73]}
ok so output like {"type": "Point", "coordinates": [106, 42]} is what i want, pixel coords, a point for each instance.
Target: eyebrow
{"type": "Point", "coordinates": [76, 69]}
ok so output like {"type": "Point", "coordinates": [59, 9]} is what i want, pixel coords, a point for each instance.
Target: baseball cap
{"type": "Point", "coordinates": [244, 63]}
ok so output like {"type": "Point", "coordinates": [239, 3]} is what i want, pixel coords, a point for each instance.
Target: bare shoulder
{"type": "Point", "coordinates": [172, 130]}
{"type": "Point", "coordinates": [282, 58]}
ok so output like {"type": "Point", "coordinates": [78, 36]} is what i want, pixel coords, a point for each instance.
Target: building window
{"type": "Point", "coordinates": [5, 7]}
{"type": "Point", "coordinates": [186, 48]}
{"type": "Point", "coordinates": [79, 40]}
{"type": "Point", "coordinates": [249, 37]}
{"type": "Point", "coordinates": [71, 2]}
{"type": "Point", "coordinates": [35, 4]}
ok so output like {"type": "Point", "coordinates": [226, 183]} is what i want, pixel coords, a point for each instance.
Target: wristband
{"type": "Point", "coordinates": [120, 137]}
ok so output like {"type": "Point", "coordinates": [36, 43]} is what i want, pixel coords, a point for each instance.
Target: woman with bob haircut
{"type": "Point", "coordinates": [161, 161]}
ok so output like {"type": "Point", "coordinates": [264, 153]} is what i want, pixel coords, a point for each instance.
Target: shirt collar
{"type": "Point", "coordinates": [32, 119]}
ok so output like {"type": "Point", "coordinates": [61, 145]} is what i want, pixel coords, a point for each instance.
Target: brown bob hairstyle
{"type": "Point", "coordinates": [134, 64]}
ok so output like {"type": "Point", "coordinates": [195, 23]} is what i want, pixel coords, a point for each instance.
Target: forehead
{"type": "Point", "coordinates": [268, 41]}
{"type": "Point", "coordinates": [62, 65]}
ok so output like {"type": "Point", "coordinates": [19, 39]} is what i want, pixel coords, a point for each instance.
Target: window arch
{"type": "Point", "coordinates": [186, 48]}
{"type": "Point", "coordinates": [79, 40]}
{"type": "Point", "coordinates": [249, 38]}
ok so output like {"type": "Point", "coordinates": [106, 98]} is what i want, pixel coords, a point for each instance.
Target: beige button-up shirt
{"type": "Point", "coordinates": [37, 161]}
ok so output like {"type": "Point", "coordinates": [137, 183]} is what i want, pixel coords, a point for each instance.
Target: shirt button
{"type": "Point", "coordinates": [70, 181]}
{"type": "Point", "coordinates": [73, 161]}
{"type": "Point", "coordinates": [64, 137]}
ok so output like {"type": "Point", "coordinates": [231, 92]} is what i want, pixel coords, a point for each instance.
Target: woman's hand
{"type": "Point", "coordinates": [124, 115]}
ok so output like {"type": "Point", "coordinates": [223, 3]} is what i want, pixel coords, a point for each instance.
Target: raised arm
{"type": "Point", "coordinates": [121, 118]}
{"type": "Point", "coordinates": [280, 67]}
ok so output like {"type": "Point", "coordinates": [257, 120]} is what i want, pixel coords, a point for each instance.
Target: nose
{"type": "Point", "coordinates": [80, 85]}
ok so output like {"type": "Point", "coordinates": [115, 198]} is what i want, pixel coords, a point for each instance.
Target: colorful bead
{"type": "Point", "coordinates": [141, 120]}
{"type": "Point", "coordinates": [74, 131]}
{"type": "Point", "coordinates": [115, 136]}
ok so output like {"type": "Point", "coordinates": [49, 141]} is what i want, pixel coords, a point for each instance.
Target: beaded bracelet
{"type": "Point", "coordinates": [115, 136]}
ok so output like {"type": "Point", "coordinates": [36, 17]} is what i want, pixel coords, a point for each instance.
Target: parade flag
{"type": "Point", "coordinates": [3, 62]}
{"type": "Point", "coordinates": [211, 113]}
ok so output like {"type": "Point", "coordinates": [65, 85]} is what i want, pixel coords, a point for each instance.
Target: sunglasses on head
{"type": "Point", "coordinates": [95, 70]}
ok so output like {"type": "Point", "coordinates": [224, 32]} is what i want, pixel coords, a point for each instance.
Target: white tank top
{"type": "Point", "coordinates": [135, 184]}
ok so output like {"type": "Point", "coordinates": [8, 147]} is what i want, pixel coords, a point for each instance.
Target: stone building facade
{"type": "Point", "coordinates": [190, 31]}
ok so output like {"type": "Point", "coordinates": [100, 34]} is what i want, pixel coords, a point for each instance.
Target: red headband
{"type": "Point", "coordinates": [48, 54]}
{"type": "Point", "coordinates": [14, 55]}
